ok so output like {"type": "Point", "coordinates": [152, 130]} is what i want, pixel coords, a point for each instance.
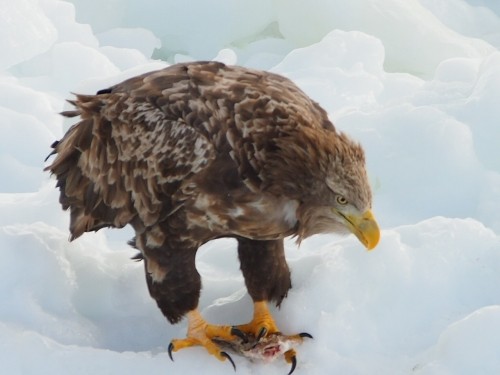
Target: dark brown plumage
{"type": "Point", "coordinates": [199, 151]}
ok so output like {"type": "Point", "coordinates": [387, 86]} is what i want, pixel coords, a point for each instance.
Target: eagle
{"type": "Point", "coordinates": [202, 150]}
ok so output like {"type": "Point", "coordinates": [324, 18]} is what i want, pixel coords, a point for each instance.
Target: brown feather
{"type": "Point", "coordinates": [202, 150]}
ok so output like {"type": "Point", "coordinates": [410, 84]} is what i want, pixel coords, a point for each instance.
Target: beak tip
{"type": "Point", "coordinates": [372, 246]}
{"type": "Point", "coordinates": [373, 241]}
{"type": "Point", "coordinates": [369, 231]}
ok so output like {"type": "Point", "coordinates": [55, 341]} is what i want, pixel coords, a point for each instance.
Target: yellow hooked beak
{"type": "Point", "coordinates": [364, 227]}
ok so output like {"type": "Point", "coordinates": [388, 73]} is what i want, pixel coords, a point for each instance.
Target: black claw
{"type": "Point", "coordinates": [170, 348]}
{"type": "Point", "coordinates": [305, 334]}
{"type": "Point", "coordinates": [239, 333]}
{"type": "Point", "coordinates": [262, 333]}
{"type": "Point", "coordinates": [224, 354]}
{"type": "Point", "coordinates": [294, 364]}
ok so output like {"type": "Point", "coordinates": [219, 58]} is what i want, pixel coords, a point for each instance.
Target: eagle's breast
{"type": "Point", "coordinates": [249, 215]}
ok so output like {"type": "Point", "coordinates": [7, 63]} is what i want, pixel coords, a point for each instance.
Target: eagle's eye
{"type": "Point", "coordinates": [341, 200]}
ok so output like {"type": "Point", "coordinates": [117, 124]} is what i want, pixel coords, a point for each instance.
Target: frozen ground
{"type": "Point", "coordinates": [416, 81]}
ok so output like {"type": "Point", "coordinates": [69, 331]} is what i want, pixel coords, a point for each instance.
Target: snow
{"type": "Point", "coordinates": [417, 82]}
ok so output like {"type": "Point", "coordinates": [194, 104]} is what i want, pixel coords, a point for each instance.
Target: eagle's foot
{"type": "Point", "coordinates": [261, 339]}
{"type": "Point", "coordinates": [262, 324]}
{"type": "Point", "coordinates": [265, 349]}
{"type": "Point", "coordinates": [200, 333]}
{"type": "Point", "coordinates": [258, 340]}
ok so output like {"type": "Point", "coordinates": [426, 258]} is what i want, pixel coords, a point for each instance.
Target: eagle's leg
{"type": "Point", "coordinates": [267, 278]}
{"type": "Point", "coordinates": [175, 284]}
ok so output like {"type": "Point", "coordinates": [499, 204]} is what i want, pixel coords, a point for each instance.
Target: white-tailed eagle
{"type": "Point", "coordinates": [199, 151]}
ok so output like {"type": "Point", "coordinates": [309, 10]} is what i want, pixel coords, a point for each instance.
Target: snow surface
{"type": "Point", "coordinates": [417, 82]}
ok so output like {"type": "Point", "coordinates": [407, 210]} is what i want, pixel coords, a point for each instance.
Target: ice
{"type": "Point", "coordinates": [417, 82]}
{"type": "Point", "coordinates": [410, 150]}
{"type": "Point", "coordinates": [62, 16]}
{"type": "Point", "coordinates": [140, 39]}
{"type": "Point", "coordinates": [415, 40]}
{"type": "Point", "coordinates": [473, 20]}
{"type": "Point", "coordinates": [352, 66]}
{"type": "Point", "coordinates": [26, 32]}
{"type": "Point", "coordinates": [24, 169]}
{"type": "Point", "coordinates": [469, 345]}
{"type": "Point", "coordinates": [264, 53]}
{"type": "Point", "coordinates": [73, 61]}
{"type": "Point", "coordinates": [227, 56]}
{"type": "Point", "coordinates": [19, 156]}
{"type": "Point", "coordinates": [482, 110]}
{"type": "Point", "coordinates": [123, 58]}
{"type": "Point", "coordinates": [200, 31]}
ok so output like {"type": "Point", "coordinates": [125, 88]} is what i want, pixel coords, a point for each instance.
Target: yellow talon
{"type": "Point", "coordinates": [264, 340]}
{"type": "Point", "coordinates": [178, 344]}
{"type": "Point", "coordinates": [200, 333]}
{"type": "Point", "coordinates": [262, 320]}
{"type": "Point", "coordinates": [289, 355]}
{"type": "Point", "coordinates": [222, 332]}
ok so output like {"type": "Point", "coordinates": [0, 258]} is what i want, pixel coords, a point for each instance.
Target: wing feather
{"type": "Point", "coordinates": [116, 164]}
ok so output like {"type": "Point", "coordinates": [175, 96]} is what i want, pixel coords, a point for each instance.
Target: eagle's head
{"type": "Point", "coordinates": [339, 199]}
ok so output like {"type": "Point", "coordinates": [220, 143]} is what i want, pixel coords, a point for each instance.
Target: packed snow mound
{"type": "Point", "coordinates": [417, 299]}
{"type": "Point", "coordinates": [426, 34]}
{"type": "Point", "coordinates": [415, 82]}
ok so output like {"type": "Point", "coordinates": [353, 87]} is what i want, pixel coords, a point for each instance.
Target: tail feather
{"type": "Point", "coordinates": [77, 177]}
